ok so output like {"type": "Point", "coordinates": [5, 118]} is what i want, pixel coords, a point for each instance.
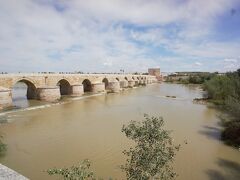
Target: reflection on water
{"type": "Point", "coordinates": [65, 134]}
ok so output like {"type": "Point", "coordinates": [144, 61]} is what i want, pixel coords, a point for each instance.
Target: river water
{"type": "Point", "coordinates": [64, 134]}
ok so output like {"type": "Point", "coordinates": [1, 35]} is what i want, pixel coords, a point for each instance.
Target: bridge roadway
{"type": "Point", "coordinates": [50, 87]}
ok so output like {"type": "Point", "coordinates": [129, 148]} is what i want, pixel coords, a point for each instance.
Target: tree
{"type": "Point", "coordinates": [154, 152]}
{"type": "Point", "coordinates": [238, 72]}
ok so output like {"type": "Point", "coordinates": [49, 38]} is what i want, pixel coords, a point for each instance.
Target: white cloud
{"type": "Point", "coordinates": [92, 35]}
{"type": "Point", "coordinates": [230, 64]}
{"type": "Point", "coordinates": [152, 11]}
{"type": "Point", "coordinates": [230, 60]}
{"type": "Point", "coordinates": [198, 64]}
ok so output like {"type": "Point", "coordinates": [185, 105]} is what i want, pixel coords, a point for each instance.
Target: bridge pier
{"type": "Point", "coordinates": [149, 81]}
{"type": "Point", "coordinates": [131, 83]}
{"type": "Point", "coordinates": [124, 84]}
{"type": "Point", "coordinates": [5, 97]}
{"type": "Point", "coordinates": [136, 83]}
{"type": "Point", "coordinates": [77, 90]}
{"type": "Point", "coordinates": [144, 82]}
{"type": "Point", "coordinates": [98, 87]}
{"type": "Point", "coordinates": [49, 94]}
{"type": "Point", "coordinates": [114, 86]}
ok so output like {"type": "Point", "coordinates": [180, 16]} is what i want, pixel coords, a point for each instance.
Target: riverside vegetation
{"type": "Point", "coordinates": [151, 158]}
{"type": "Point", "coordinates": [223, 90]}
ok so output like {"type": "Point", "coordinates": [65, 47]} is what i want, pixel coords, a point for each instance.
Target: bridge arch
{"type": "Point", "coordinates": [126, 78]}
{"type": "Point", "coordinates": [105, 81]}
{"type": "Point", "coordinates": [22, 84]}
{"type": "Point", "coordinates": [87, 85]}
{"type": "Point", "coordinates": [117, 79]}
{"type": "Point", "coordinates": [64, 86]}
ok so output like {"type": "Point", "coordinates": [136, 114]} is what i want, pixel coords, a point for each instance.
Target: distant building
{"type": "Point", "coordinates": [155, 72]}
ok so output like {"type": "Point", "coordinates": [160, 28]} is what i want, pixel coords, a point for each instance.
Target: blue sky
{"type": "Point", "coordinates": [109, 35]}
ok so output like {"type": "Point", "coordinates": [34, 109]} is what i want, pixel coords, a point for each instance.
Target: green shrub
{"type": "Point", "coordinates": [79, 172]}
{"type": "Point", "coordinates": [231, 133]}
{"type": "Point", "coordinates": [154, 152]}
{"type": "Point", "coordinates": [233, 106]}
{"type": "Point", "coordinates": [3, 146]}
{"type": "Point", "coordinates": [219, 88]}
{"type": "Point", "coordinates": [224, 90]}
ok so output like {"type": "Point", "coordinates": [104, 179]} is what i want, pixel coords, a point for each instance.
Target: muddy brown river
{"type": "Point", "coordinates": [43, 136]}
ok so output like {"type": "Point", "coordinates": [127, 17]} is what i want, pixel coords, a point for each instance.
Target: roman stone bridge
{"type": "Point", "coordinates": [50, 87]}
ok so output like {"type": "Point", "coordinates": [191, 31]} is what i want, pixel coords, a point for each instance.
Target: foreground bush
{"type": "Point", "coordinates": [154, 152]}
{"type": "Point", "coordinates": [79, 172]}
